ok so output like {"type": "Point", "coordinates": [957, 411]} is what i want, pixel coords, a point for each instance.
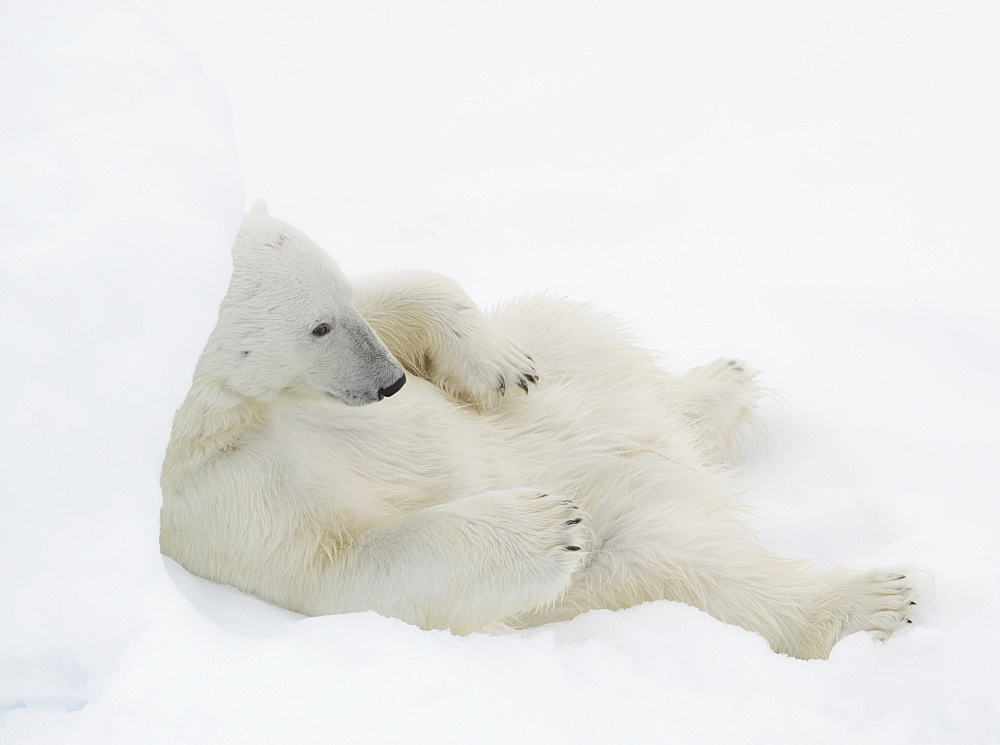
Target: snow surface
{"type": "Point", "coordinates": [810, 186]}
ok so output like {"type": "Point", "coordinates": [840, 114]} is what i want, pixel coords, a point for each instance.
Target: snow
{"type": "Point", "coordinates": [808, 186]}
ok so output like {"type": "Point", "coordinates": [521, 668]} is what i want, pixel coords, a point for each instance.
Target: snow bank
{"type": "Point", "coordinates": [810, 189]}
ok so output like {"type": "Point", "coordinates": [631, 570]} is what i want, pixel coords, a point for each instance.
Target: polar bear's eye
{"type": "Point", "coordinates": [322, 330]}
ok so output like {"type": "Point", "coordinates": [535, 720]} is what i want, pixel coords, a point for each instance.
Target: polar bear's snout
{"type": "Point", "coordinates": [392, 389]}
{"type": "Point", "coordinates": [365, 370]}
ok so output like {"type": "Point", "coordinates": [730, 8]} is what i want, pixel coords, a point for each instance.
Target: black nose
{"type": "Point", "coordinates": [394, 388]}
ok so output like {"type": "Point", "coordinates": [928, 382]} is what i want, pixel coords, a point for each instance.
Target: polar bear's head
{"type": "Point", "coordinates": [288, 323]}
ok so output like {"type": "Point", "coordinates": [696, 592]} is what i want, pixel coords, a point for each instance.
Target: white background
{"type": "Point", "coordinates": [809, 186]}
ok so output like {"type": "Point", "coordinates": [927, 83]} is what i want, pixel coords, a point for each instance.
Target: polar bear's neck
{"type": "Point", "coordinates": [212, 419]}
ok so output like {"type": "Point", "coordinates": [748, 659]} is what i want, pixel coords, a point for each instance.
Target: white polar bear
{"type": "Point", "coordinates": [498, 486]}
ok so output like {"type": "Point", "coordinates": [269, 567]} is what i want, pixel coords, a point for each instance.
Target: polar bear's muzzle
{"type": "Point", "coordinates": [364, 369]}
{"type": "Point", "coordinates": [352, 398]}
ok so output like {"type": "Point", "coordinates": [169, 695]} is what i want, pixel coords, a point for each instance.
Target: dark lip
{"type": "Point", "coordinates": [349, 400]}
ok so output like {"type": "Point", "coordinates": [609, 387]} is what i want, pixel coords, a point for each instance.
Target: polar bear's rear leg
{"type": "Point", "coordinates": [723, 570]}
{"type": "Point", "coordinates": [436, 332]}
{"type": "Point", "coordinates": [720, 400]}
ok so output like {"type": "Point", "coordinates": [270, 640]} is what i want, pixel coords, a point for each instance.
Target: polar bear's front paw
{"type": "Point", "coordinates": [546, 537]}
{"type": "Point", "coordinates": [483, 368]}
{"type": "Point", "coordinates": [559, 526]}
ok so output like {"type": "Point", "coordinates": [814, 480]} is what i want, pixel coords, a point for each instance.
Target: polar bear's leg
{"type": "Point", "coordinates": [720, 568]}
{"type": "Point", "coordinates": [462, 565]}
{"type": "Point", "coordinates": [436, 332]}
{"type": "Point", "coordinates": [721, 401]}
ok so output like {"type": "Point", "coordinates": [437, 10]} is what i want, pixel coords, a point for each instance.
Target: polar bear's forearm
{"type": "Point", "coordinates": [415, 313]}
{"type": "Point", "coordinates": [461, 565]}
{"type": "Point", "coordinates": [436, 332]}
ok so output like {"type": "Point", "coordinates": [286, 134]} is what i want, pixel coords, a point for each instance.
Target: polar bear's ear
{"type": "Point", "coordinates": [260, 207]}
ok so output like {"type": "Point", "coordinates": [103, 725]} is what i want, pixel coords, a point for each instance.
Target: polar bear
{"type": "Point", "coordinates": [386, 446]}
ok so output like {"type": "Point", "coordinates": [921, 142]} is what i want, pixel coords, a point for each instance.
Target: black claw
{"type": "Point", "coordinates": [531, 379]}
{"type": "Point", "coordinates": [572, 548]}
{"type": "Point", "coordinates": [522, 384]}
{"type": "Point", "coordinates": [503, 385]}
{"type": "Point", "coordinates": [573, 522]}
{"type": "Point", "coordinates": [908, 620]}
{"type": "Point", "coordinates": [912, 603]}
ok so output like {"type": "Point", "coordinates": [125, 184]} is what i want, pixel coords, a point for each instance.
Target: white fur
{"type": "Point", "coordinates": [457, 503]}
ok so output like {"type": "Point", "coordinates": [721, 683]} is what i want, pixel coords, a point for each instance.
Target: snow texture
{"type": "Point", "coordinates": [811, 187]}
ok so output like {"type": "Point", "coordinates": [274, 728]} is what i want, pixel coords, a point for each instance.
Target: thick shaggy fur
{"type": "Point", "coordinates": [537, 463]}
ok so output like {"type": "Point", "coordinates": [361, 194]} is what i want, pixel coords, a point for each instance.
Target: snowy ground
{"type": "Point", "coordinates": [809, 186]}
